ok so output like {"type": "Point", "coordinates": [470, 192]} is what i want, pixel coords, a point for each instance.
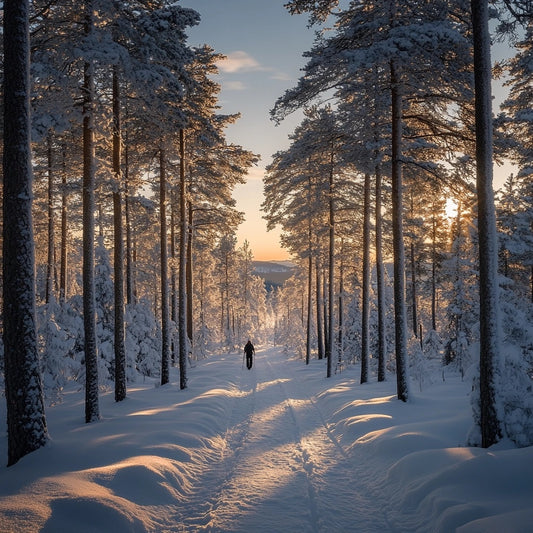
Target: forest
{"type": "Point", "coordinates": [119, 247]}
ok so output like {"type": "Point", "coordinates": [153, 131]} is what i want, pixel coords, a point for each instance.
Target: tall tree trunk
{"type": "Point", "coordinates": [189, 274]}
{"type": "Point", "coordinates": [319, 316]}
{"type": "Point", "coordinates": [26, 422]}
{"type": "Point", "coordinates": [64, 234]}
{"type": "Point", "coordinates": [531, 283]}
{"type": "Point", "coordinates": [325, 319]}
{"type": "Point", "coordinates": [173, 275]}
{"type": "Point", "coordinates": [226, 291]}
{"type": "Point", "coordinates": [50, 262]}
{"type": "Point", "coordinates": [118, 264]}
{"type": "Point", "coordinates": [380, 278]}
{"type": "Point", "coordinates": [309, 278]}
{"type": "Point", "coordinates": [309, 306]}
{"type": "Point", "coordinates": [222, 317]}
{"type": "Point", "coordinates": [92, 410]}
{"type": "Point", "coordinates": [165, 326]}
{"type": "Point", "coordinates": [413, 290]}
{"type": "Point", "coordinates": [182, 307]}
{"type": "Point", "coordinates": [130, 291]}
{"type": "Point", "coordinates": [331, 256]}
{"type": "Point", "coordinates": [414, 309]}
{"type": "Point", "coordinates": [365, 327]}
{"type": "Point", "coordinates": [434, 272]}
{"type": "Point", "coordinates": [400, 321]}
{"type": "Point", "coordinates": [491, 426]}
{"type": "Point", "coordinates": [340, 339]}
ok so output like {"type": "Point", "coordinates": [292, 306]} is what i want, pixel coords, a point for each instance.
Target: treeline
{"type": "Point", "coordinates": [385, 197]}
{"type": "Point", "coordinates": [131, 233]}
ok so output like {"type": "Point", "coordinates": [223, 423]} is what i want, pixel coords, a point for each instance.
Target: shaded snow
{"type": "Point", "coordinates": [277, 448]}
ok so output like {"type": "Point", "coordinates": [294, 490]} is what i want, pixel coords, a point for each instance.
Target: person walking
{"type": "Point", "coordinates": [249, 351]}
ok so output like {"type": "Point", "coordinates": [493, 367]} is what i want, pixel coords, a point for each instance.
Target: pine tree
{"type": "Point", "coordinates": [163, 242]}
{"type": "Point", "coordinates": [311, 169]}
{"type": "Point", "coordinates": [118, 242]}
{"type": "Point", "coordinates": [490, 419]}
{"type": "Point", "coordinates": [518, 126]}
{"type": "Point", "coordinates": [365, 333]}
{"type": "Point", "coordinates": [184, 341]}
{"type": "Point", "coordinates": [92, 410]}
{"type": "Point", "coordinates": [405, 43]}
{"type": "Point", "coordinates": [26, 421]}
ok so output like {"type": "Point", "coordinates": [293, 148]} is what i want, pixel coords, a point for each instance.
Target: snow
{"type": "Point", "coordinates": [277, 448]}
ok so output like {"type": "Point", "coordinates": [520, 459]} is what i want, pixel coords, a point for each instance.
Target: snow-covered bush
{"type": "Point", "coordinates": [515, 376]}
{"type": "Point", "coordinates": [517, 397]}
{"type": "Point", "coordinates": [104, 301]}
{"type": "Point", "coordinates": [419, 368]}
{"type": "Point", "coordinates": [204, 341]}
{"type": "Point", "coordinates": [60, 329]}
{"type": "Point", "coordinates": [352, 330]}
{"type": "Point", "coordinates": [143, 341]}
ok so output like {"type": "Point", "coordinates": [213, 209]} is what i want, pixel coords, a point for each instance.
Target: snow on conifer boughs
{"type": "Point", "coordinates": [516, 396]}
{"type": "Point", "coordinates": [143, 342]}
{"type": "Point", "coordinates": [57, 347]}
{"type": "Point", "coordinates": [103, 291]}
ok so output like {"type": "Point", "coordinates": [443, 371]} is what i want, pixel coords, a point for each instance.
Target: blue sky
{"type": "Point", "coordinates": [264, 46]}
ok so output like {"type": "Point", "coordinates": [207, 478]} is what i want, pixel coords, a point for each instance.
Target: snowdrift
{"type": "Point", "coordinates": [164, 459]}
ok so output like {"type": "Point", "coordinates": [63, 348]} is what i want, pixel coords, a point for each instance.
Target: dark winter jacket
{"type": "Point", "coordinates": [249, 348]}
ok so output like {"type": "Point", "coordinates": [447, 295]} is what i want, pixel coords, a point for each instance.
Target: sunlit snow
{"type": "Point", "coordinates": [278, 448]}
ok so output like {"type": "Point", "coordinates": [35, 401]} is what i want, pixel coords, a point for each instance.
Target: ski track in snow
{"type": "Point", "coordinates": [279, 449]}
{"type": "Point", "coordinates": [277, 465]}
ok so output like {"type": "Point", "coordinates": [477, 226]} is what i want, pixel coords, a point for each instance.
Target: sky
{"type": "Point", "coordinates": [264, 46]}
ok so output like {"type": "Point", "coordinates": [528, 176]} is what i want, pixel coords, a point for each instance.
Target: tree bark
{"type": "Point", "coordinates": [340, 340]}
{"type": "Point", "coordinates": [331, 255]}
{"type": "Point", "coordinates": [489, 361]}
{"type": "Point", "coordinates": [26, 422]}
{"type": "Point", "coordinates": [380, 278]}
{"type": "Point", "coordinates": [413, 290]}
{"type": "Point", "coordinates": [325, 320]}
{"type": "Point", "coordinates": [189, 274]}
{"type": "Point", "coordinates": [365, 333]}
{"type": "Point", "coordinates": [92, 411]}
{"type": "Point", "coordinates": [319, 316]}
{"type": "Point", "coordinates": [309, 307]}
{"type": "Point", "coordinates": [400, 321]}
{"type": "Point", "coordinates": [309, 277]}
{"type": "Point", "coordinates": [118, 264]}
{"type": "Point", "coordinates": [173, 276]}
{"type": "Point", "coordinates": [165, 326]}
{"type": "Point", "coordinates": [64, 235]}
{"type": "Point", "coordinates": [130, 284]}
{"type": "Point", "coordinates": [434, 273]}
{"type": "Point", "coordinates": [182, 285]}
{"type": "Point", "coordinates": [50, 262]}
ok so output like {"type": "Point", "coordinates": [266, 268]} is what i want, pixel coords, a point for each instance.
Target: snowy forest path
{"type": "Point", "coordinates": [281, 468]}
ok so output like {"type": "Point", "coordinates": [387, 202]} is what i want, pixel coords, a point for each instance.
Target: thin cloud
{"type": "Point", "coordinates": [239, 61]}
{"type": "Point", "coordinates": [281, 76]}
{"type": "Point", "coordinates": [234, 86]}
{"type": "Point", "coordinates": [256, 174]}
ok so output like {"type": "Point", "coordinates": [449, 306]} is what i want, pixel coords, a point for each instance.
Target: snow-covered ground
{"type": "Point", "coordinates": [279, 448]}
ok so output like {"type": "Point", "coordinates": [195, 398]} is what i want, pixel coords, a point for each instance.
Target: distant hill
{"type": "Point", "coordinates": [274, 273]}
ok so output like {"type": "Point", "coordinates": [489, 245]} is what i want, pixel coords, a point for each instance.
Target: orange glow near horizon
{"type": "Point", "coordinates": [249, 196]}
{"type": "Point", "coordinates": [265, 245]}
